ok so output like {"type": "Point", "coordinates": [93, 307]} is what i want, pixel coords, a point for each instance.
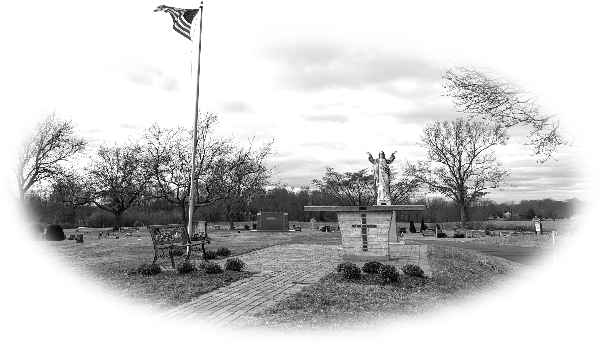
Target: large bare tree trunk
{"type": "Point", "coordinates": [463, 216]}
{"type": "Point", "coordinates": [118, 221]}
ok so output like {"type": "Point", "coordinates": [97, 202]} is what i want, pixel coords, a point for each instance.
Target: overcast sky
{"type": "Point", "coordinates": [73, 55]}
{"type": "Point", "coordinates": [327, 80]}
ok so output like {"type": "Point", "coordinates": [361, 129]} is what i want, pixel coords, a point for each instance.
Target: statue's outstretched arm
{"type": "Point", "coordinates": [392, 158]}
{"type": "Point", "coordinates": [371, 158]}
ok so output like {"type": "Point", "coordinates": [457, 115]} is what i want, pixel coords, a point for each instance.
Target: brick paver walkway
{"type": "Point", "coordinates": [282, 271]}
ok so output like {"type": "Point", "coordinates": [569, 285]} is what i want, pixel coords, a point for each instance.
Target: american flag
{"type": "Point", "coordinates": [182, 18]}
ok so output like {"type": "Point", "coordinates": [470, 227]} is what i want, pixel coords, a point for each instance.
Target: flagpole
{"type": "Point", "coordinates": [195, 137]}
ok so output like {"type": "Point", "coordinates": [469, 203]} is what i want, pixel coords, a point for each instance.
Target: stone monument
{"type": "Point", "coordinates": [368, 231]}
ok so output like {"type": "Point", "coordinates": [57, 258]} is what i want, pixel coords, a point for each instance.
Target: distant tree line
{"type": "Point", "coordinates": [147, 180]}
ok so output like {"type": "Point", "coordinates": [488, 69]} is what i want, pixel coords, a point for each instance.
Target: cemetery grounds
{"type": "Point", "coordinates": [458, 276]}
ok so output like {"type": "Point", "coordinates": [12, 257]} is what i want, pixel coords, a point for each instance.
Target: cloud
{"type": "Point", "coordinates": [235, 106]}
{"type": "Point", "coordinates": [129, 125]}
{"type": "Point", "coordinates": [314, 66]}
{"type": "Point", "coordinates": [152, 76]}
{"type": "Point", "coordinates": [332, 118]}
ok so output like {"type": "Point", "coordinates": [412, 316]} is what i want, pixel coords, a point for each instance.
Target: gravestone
{"type": "Point", "coordinates": [538, 225]}
{"type": "Point", "coordinates": [313, 224]}
{"type": "Point", "coordinates": [79, 238]}
{"type": "Point", "coordinates": [272, 222]}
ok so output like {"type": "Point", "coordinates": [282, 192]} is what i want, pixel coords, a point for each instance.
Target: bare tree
{"type": "Point", "coordinates": [243, 175]}
{"type": "Point", "coordinates": [223, 168]}
{"type": "Point", "coordinates": [116, 177]}
{"type": "Point", "coordinates": [461, 165]}
{"type": "Point", "coordinates": [43, 152]}
{"type": "Point", "coordinates": [349, 188]}
{"type": "Point", "coordinates": [483, 93]}
{"type": "Point", "coordinates": [358, 188]}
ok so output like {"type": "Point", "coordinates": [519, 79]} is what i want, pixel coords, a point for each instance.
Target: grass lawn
{"type": "Point", "coordinates": [113, 262]}
{"type": "Point", "coordinates": [334, 303]}
{"type": "Point", "coordinates": [537, 241]}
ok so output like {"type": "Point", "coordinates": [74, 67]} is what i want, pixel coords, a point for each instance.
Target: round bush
{"type": "Point", "coordinates": [340, 266]}
{"type": "Point", "coordinates": [223, 252]}
{"type": "Point", "coordinates": [371, 267]}
{"type": "Point", "coordinates": [177, 252]}
{"type": "Point", "coordinates": [234, 264]}
{"type": "Point", "coordinates": [413, 270]}
{"type": "Point", "coordinates": [351, 271]}
{"type": "Point", "coordinates": [213, 268]}
{"type": "Point", "coordinates": [149, 269]}
{"type": "Point", "coordinates": [389, 273]}
{"type": "Point", "coordinates": [31, 232]}
{"type": "Point", "coordinates": [210, 254]}
{"type": "Point", "coordinates": [55, 233]}
{"type": "Point", "coordinates": [185, 266]}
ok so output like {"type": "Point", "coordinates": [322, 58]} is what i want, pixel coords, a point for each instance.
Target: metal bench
{"type": "Point", "coordinates": [169, 238]}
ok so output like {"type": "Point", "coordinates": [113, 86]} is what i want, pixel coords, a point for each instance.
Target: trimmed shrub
{"type": "Point", "coordinates": [340, 266]}
{"type": "Point", "coordinates": [234, 264]}
{"type": "Point", "coordinates": [185, 266]}
{"type": "Point", "coordinates": [413, 270]}
{"type": "Point", "coordinates": [177, 252]}
{"type": "Point", "coordinates": [441, 235]}
{"type": "Point", "coordinates": [389, 273]}
{"type": "Point", "coordinates": [212, 268]}
{"type": "Point", "coordinates": [209, 254]}
{"type": "Point", "coordinates": [371, 267]}
{"type": "Point", "coordinates": [149, 269]}
{"type": "Point", "coordinates": [350, 271]}
{"type": "Point", "coordinates": [458, 236]}
{"type": "Point", "coordinates": [224, 252]}
{"type": "Point", "coordinates": [32, 231]}
{"type": "Point", "coordinates": [55, 233]}
{"type": "Point", "coordinates": [412, 227]}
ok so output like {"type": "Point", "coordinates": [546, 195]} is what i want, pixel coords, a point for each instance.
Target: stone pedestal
{"type": "Point", "coordinates": [366, 230]}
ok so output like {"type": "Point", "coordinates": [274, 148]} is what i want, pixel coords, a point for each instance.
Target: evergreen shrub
{"type": "Point", "coordinates": [412, 227]}
{"type": "Point", "coordinates": [55, 233]}
{"type": "Point", "coordinates": [212, 268]}
{"type": "Point", "coordinates": [234, 264]}
{"type": "Point", "coordinates": [413, 270]}
{"type": "Point", "coordinates": [350, 271]}
{"type": "Point", "coordinates": [389, 273]}
{"type": "Point", "coordinates": [185, 266]}
{"type": "Point", "coordinates": [371, 267]}
{"type": "Point", "coordinates": [223, 252]}
{"type": "Point", "coordinates": [149, 269]}
{"type": "Point", "coordinates": [209, 254]}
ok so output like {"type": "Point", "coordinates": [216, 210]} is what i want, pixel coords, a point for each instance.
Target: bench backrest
{"type": "Point", "coordinates": [169, 234]}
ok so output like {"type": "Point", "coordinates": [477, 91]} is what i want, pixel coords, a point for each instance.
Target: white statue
{"type": "Point", "coordinates": [381, 172]}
